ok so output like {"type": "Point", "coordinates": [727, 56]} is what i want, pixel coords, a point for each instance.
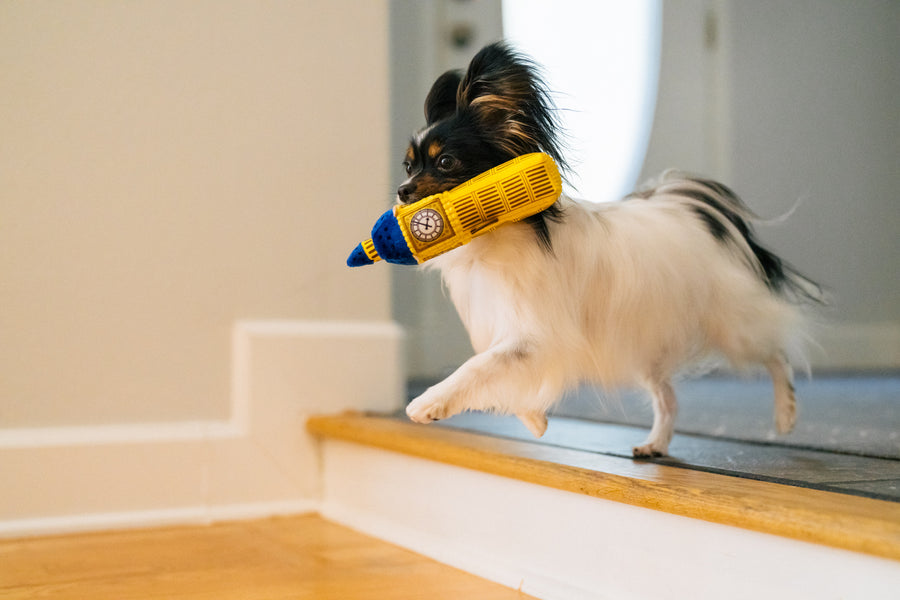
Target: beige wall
{"type": "Point", "coordinates": [798, 100]}
{"type": "Point", "coordinates": [167, 168]}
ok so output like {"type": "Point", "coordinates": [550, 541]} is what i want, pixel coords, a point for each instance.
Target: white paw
{"type": "Point", "coordinates": [649, 449]}
{"type": "Point", "coordinates": [425, 410]}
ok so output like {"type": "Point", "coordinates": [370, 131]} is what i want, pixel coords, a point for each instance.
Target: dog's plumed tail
{"type": "Point", "coordinates": [730, 221]}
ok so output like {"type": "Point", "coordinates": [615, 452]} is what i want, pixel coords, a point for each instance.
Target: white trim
{"type": "Point", "coordinates": [141, 433]}
{"type": "Point", "coordinates": [138, 519]}
{"type": "Point", "coordinates": [239, 416]}
{"type": "Point", "coordinates": [566, 546]}
{"type": "Point", "coordinates": [130, 433]}
{"type": "Point", "coordinates": [454, 552]}
{"type": "Point", "coordinates": [257, 462]}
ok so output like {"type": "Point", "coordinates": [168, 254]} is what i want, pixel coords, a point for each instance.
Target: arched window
{"type": "Point", "coordinates": [601, 59]}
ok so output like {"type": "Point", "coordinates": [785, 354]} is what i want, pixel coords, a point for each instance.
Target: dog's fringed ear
{"type": "Point", "coordinates": [441, 100]}
{"type": "Point", "coordinates": [496, 80]}
{"type": "Point", "coordinates": [503, 90]}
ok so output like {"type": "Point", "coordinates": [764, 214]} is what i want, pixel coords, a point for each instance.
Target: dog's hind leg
{"type": "Point", "coordinates": [536, 422]}
{"type": "Point", "coordinates": [785, 403]}
{"type": "Point", "coordinates": [665, 408]}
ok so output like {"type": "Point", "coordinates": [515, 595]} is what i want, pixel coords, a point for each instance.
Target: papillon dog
{"type": "Point", "coordinates": [615, 294]}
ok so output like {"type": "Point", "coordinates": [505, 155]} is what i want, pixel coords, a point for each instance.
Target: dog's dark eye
{"type": "Point", "coordinates": [446, 162]}
{"type": "Point", "coordinates": [407, 166]}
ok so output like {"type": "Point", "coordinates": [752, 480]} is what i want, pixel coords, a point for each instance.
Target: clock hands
{"type": "Point", "coordinates": [426, 225]}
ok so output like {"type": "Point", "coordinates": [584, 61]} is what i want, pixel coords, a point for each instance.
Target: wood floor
{"type": "Point", "coordinates": [286, 558]}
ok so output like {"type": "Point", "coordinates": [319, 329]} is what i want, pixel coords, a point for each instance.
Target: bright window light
{"type": "Point", "coordinates": [601, 60]}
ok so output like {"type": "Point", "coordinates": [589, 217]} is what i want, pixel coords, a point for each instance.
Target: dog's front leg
{"type": "Point", "coordinates": [505, 378]}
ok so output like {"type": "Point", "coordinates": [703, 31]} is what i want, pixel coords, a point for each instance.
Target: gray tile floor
{"type": "Point", "coordinates": [847, 437]}
{"type": "Point", "coordinates": [846, 414]}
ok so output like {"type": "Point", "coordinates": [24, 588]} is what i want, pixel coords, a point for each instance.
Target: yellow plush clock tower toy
{"type": "Point", "coordinates": [413, 233]}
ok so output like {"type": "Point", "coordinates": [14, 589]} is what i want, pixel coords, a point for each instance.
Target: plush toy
{"type": "Point", "coordinates": [413, 233]}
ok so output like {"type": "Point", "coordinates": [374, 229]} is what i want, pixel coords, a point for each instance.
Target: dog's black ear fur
{"type": "Point", "coordinates": [503, 91]}
{"type": "Point", "coordinates": [441, 100]}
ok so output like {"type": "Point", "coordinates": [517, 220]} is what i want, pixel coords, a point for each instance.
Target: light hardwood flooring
{"type": "Point", "coordinates": [298, 558]}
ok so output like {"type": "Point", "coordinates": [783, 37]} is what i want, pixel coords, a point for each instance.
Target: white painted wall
{"type": "Point", "coordinates": [180, 186]}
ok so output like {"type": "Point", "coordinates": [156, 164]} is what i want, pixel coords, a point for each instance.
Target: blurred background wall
{"type": "Point", "coordinates": [167, 168]}
{"type": "Point", "coordinates": [784, 101]}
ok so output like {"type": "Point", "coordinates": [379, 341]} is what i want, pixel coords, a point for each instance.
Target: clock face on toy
{"type": "Point", "coordinates": [426, 225]}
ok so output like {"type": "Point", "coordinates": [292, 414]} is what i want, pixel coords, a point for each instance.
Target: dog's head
{"type": "Point", "coordinates": [499, 109]}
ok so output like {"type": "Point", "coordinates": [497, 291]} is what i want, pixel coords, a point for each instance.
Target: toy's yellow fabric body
{"type": "Point", "coordinates": [414, 233]}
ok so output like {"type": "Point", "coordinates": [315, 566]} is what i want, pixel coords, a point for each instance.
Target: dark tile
{"type": "Point", "coordinates": [887, 489]}
{"type": "Point", "coordinates": [793, 466]}
{"type": "Point", "coordinates": [779, 462]}
{"type": "Point", "coordinates": [849, 414]}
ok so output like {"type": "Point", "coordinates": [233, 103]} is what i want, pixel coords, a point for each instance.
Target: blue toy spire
{"type": "Point", "coordinates": [358, 257]}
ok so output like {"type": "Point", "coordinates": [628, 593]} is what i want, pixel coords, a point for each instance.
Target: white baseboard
{"type": "Point", "coordinates": [164, 517]}
{"type": "Point", "coordinates": [559, 545]}
{"type": "Point", "coordinates": [120, 433]}
{"type": "Point", "coordinates": [258, 461]}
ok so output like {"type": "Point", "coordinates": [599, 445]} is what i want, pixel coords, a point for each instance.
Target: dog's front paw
{"type": "Point", "coordinates": [425, 409]}
{"type": "Point", "coordinates": [649, 450]}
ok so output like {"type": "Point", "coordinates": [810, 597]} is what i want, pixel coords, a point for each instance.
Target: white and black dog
{"type": "Point", "coordinates": [614, 294]}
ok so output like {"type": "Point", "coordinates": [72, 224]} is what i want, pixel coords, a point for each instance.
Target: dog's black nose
{"type": "Point", "coordinates": [405, 191]}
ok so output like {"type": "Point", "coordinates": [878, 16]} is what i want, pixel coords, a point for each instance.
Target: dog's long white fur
{"type": "Point", "coordinates": [630, 293]}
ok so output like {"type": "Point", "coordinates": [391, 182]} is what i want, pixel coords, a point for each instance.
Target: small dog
{"type": "Point", "coordinates": [613, 294]}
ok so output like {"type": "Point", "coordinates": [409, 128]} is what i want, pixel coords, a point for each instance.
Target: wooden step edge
{"type": "Point", "coordinates": [841, 521]}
